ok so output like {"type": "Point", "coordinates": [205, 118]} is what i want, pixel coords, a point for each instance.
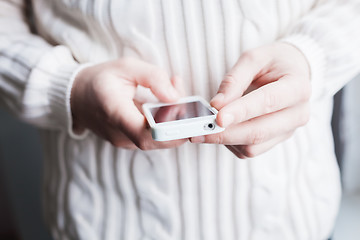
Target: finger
{"type": "Point", "coordinates": [287, 91]}
{"type": "Point", "coordinates": [238, 79]}
{"type": "Point", "coordinates": [250, 151]}
{"type": "Point", "coordinates": [234, 149]}
{"type": "Point", "coordinates": [149, 76]}
{"type": "Point", "coordinates": [120, 140]}
{"type": "Point", "coordinates": [129, 120]}
{"type": "Point", "coordinates": [178, 83]}
{"type": "Point", "coordinates": [138, 105]}
{"type": "Point", "coordinates": [261, 129]}
{"type": "Point", "coordinates": [114, 136]}
{"type": "Point", "coordinates": [148, 143]}
{"type": "Point", "coordinates": [133, 125]}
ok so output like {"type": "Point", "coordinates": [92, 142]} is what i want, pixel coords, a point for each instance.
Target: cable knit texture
{"type": "Point", "coordinates": [95, 191]}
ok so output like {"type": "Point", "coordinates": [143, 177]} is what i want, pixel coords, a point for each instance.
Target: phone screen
{"type": "Point", "coordinates": [180, 111]}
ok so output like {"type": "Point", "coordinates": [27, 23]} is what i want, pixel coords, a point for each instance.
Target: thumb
{"type": "Point", "coordinates": [238, 79]}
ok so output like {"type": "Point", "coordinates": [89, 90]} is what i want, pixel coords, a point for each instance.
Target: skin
{"type": "Point", "coordinates": [262, 100]}
{"type": "Point", "coordinates": [102, 100]}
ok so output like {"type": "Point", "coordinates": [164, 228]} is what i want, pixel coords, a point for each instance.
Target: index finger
{"type": "Point", "coordinates": [239, 78]}
{"type": "Point", "coordinates": [149, 76]}
{"type": "Point", "coordinates": [272, 97]}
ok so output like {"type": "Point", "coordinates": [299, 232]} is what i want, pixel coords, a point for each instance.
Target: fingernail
{"type": "Point", "coordinates": [219, 98]}
{"type": "Point", "coordinates": [199, 139]}
{"type": "Point", "coordinates": [227, 119]}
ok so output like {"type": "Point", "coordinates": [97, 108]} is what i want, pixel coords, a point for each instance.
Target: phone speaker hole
{"type": "Point", "coordinates": [209, 126]}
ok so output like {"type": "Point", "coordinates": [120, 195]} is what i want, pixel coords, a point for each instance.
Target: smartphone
{"type": "Point", "coordinates": [188, 117]}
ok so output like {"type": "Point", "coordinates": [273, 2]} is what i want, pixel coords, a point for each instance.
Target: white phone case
{"type": "Point", "coordinates": [184, 128]}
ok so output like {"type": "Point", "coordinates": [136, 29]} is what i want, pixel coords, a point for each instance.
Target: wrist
{"type": "Point", "coordinates": [313, 53]}
{"type": "Point", "coordinates": [76, 101]}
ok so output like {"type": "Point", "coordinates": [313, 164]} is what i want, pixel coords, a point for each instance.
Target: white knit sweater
{"type": "Point", "coordinates": [95, 191]}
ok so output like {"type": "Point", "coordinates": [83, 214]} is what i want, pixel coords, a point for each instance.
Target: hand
{"type": "Point", "coordinates": [276, 83]}
{"type": "Point", "coordinates": [102, 100]}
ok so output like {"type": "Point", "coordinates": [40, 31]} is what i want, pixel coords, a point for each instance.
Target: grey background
{"type": "Point", "coordinates": [20, 179]}
{"type": "Point", "coordinates": [348, 222]}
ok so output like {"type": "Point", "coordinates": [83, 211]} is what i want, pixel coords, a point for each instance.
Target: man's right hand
{"type": "Point", "coordinates": [102, 100]}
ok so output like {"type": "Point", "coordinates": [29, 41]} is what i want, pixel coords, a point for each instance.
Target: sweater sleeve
{"type": "Point", "coordinates": [329, 37]}
{"type": "Point", "coordinates": [35, 77]}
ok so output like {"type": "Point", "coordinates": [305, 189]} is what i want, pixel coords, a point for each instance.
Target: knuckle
{"type": "Point", "coordinates": [249, 55]}
{"type": "Point", "coordinates": [115, 142]}
{"type": "Point", "coordinates": [159, 74]}
{"type": "Point", "coordinates": [238, 150]}
{"type": "Point", "coordinates": [219, 138]}
{"type": "Point", "coordinates": [144, 145]}
{"type": "Point", "coordinates": [256, 136]}
{"type": "Point", "coordinates": [116, 139]}
{"type": "Point", "coordinates": [271, 101]}
{"type": "Point", "coordinates": [215, 138]}
{"type": "Point", "coordinates": [228, 80]}
{"type": "Point", "coordinates": [228, 83]}
{"type": "Point", "coordinates": [250, 151]}
{"type": "Point", "coordinates": [239, 155]}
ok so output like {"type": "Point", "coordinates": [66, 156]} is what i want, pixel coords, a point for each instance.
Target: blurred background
{"type": "Point", "coordinates": [21, 172]}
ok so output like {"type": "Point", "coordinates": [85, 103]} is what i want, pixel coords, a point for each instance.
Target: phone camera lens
{"type": "Point", "coordinates": [209, 126]}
